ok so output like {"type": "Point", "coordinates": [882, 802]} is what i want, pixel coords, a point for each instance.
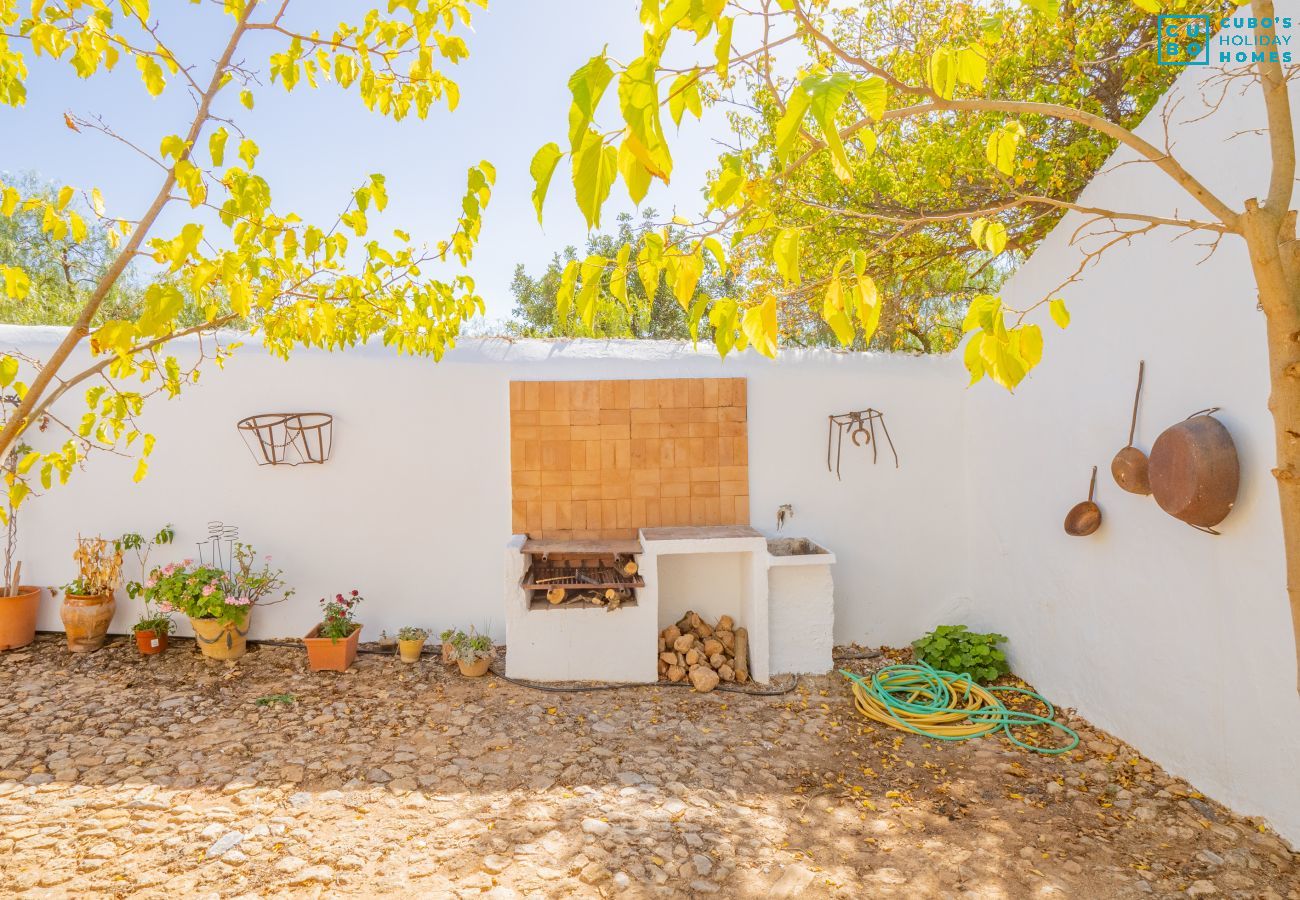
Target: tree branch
{"type": "Point", "coordinates": [81, 328]}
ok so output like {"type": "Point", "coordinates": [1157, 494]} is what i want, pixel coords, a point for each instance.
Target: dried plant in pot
{"type": "Point", "coordinates": [410, 643]}
{"type": "Point", "coordinates": [88, 602]}
{"type": "Point", "coordinates": [472, 652]}
{"type": "Point", "coordinates": [332, 644]}
{"type": "Point", "coordinates": [19, 603]}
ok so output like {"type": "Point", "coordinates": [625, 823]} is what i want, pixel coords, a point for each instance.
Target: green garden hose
{"type": "Point", "coordinates": [945, 706]}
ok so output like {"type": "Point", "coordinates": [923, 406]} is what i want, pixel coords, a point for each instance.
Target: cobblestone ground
{"type": "Point", "coordinates": [163, 776]}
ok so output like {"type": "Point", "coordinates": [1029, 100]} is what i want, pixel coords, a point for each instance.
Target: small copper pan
{"type": "Point", "coordinates": [1129, 468]}
{"type": "Point", "coordinates": [1084, 518]}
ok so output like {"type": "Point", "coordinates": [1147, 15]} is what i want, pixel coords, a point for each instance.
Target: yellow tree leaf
{"type": "Point", "coordinates": [542, 168]}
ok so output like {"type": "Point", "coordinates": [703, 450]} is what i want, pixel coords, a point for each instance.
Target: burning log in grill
{"type": "Point", "coordinates": [706, 654]}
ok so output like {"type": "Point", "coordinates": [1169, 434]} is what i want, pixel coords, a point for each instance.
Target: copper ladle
{"type": "Point", "coordinates": [1085, 517]}
{"type": "Point", "coordinates": [1129, 467]}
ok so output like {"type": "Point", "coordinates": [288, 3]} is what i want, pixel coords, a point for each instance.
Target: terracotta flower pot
{"type": "Point", "coordinates": [330, 654]}
{"type": "Point", "coordinates": [18, 618]}
{"type": "Point", "coordinates": [221, 640]}
{"type": "Point", "coordinates": [410, 650]}
{"type": "Point", "coordinates": [85, 619]}
{"type": "Point", "coordinates": [448, 653]}
{"type": "Point", "coordinates": [150, 643]}
{"type": "Point", "coordinates": [475, 669]}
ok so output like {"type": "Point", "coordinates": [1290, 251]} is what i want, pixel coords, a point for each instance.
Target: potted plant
{"type": "Point", "coordinates": [88, 603]}
{"type": "Point", "coordinates": [151, 632]}
{"type": "Point", "coordinates": [218, 603]}
{"type": "Point", "coordinates": [473, 652]}
{"type": "Point", "coordinates": [18, 603]}
{"type": "Point", "coordinates": [332, 644]}
{"type": "Point", "coordinates": [410, 643]}
{"type": "Point", "coordinates": [154, 626]}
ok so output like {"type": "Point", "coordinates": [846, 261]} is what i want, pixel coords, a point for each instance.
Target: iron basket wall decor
{"type": "Point", "coordinates": [288, 439]}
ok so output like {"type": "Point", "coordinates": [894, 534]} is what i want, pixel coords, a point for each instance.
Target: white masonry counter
{"type": "Point", "coordinates": [780, 586]}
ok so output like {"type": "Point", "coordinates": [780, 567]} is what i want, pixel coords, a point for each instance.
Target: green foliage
{"type": "Point", "coordinates": [229, 256]}
{"type": "Point", "coordinates": [206, 592]}
{"type": "Point", "coordinates": [467, 647]}
{"type": "Point", "coordinates": [58, 272]}
{"type": "Point", "coordinates": [412, 633]}
{"type": "Point", "coordinates": [860, 160]}
{"type": "Point", "coordinates": [631, 315]}
{"type": "Point", "coordinates": [273, 699]}
{"type": "Point", "coordinates": [155, 622]}
{"type": "Point", "coordinates": [195, 591]}
{"type": "Point", "coordinates": [953, 648]}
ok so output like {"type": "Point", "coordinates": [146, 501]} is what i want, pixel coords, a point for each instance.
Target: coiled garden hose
{"type": "Point", "coordinates": [945, 706]}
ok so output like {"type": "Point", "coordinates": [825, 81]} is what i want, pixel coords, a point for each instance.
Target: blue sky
{"type": "Point", "coordinates": [318, 145]}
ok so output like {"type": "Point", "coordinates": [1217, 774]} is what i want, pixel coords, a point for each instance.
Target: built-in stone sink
{"type": "Point", "coordinates": [794, 546]}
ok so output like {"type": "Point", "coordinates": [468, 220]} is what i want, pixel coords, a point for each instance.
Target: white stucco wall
{"type": "Point", "coordinates": [414, 506]}
{"type": "Point", "coordinates": [1177, 641]}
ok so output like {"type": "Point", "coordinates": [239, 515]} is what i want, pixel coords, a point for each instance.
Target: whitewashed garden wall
{"type": "Point", "coordinates": [1178, 641]}
{"type": "Point", "coordinates": [413, 508]}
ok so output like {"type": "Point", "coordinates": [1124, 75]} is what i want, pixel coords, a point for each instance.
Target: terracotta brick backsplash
{"type": "Point", "coordinates": [602, 459]}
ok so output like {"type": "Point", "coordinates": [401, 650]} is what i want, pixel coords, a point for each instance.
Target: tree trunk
{"type": "Point", "coordinates": [1275, 258]}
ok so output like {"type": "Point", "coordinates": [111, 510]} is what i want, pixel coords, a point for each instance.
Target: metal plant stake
{"type": "Point", "coordinates": [861, 429]}
{"type": "Point", "coordinates": [219, 547]}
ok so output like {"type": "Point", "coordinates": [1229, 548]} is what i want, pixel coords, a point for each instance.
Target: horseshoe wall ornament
{"type": "Point", "coordinates": [860, 426]}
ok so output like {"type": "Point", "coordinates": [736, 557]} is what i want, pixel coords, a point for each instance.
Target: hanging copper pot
{"type": "Point", "coordinates": [1085, 517]}
{"type": "Point", "coordinates": [1129, 468]}
{"type": "Point", "coordinates": [1195, 472]}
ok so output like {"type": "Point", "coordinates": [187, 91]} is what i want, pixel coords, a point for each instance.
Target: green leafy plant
{"type": "Point", "coordinates": [142, 546]}
{"type": "Point", "coordinates": [272, 699]}
{"type": "Point", "coordinates": [157, 623]}
{"type": "Point", "coordinates": [468, 647]}
{"type": "Point", "coordinates": [953, 648]}
{"type": "Point", "coordinates": [199, 592]}
{"type": "Point", "coordinates": [412, 633]}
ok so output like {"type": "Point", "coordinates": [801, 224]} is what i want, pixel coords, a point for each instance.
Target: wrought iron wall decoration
{"type": "Point", "coordinates": [288, 439]}
{"type": "Point", "coordinates": [861, 429]}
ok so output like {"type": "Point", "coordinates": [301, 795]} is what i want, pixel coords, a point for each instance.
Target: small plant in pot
{"type": "Point", "coordinates": [151, 632]}
{"type": "Point", "coordinates": [88, 602]}
{"type": "Point", "coordinates": [472, 652]}
{"type": "Point", "coordinates": [332, 645]}
{"type": "Point", "coordinates": [410, 643]}
{"type": "Point", "coordinates": [155, 625]}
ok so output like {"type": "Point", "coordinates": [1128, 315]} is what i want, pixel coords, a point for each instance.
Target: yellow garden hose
{"type": "Point", "coordinates": [946, 706]}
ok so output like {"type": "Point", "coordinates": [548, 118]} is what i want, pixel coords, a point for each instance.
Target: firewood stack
{"type": "Point", "coordinates": [705, 654]}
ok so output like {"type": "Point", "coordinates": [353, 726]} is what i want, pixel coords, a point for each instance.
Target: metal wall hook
{"type": "Point", "coordinates": [860, 425]}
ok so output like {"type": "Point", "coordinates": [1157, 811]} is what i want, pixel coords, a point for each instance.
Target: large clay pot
{"type": "Point", "coordinates": [221, 640]}
{"type": "Point", "coordinates": [150, 642]}
{"type": "Point", "coordinates": [85, 619]}
{"type": "Point", "coordinates": [18, 618]}
{"type": "Point", "coordinates": [331, 654]}
{"type": "Point", "coordinates": [410, 650]}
